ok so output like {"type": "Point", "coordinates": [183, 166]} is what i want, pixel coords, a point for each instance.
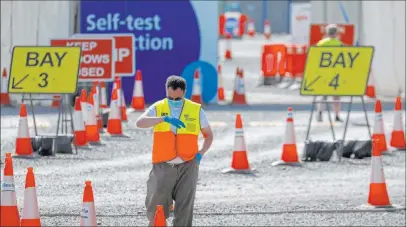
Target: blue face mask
{"type": "Point", "coordinates": [175, 104]}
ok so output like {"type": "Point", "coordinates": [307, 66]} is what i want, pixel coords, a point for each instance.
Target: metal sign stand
{"type": "Point", "coordinates": [63, 123]}
{"type": "Point", "coordinates": [342, 142]}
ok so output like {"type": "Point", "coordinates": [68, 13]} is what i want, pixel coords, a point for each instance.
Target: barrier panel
{"type": "Point", "coordinates": [233, 23]}
{"type": "Point", "coordinates": [283, 62]}
{"type": "Point", "coordinates": [346, 33]}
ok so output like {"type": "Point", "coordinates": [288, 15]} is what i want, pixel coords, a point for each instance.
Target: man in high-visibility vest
{"type": "Point", "coordinates": [177, 122]}
{"type": "Point", "coordinates": [331, 40]}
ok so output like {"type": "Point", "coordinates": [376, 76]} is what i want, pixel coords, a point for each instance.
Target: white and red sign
{"type": "Point", "coordinates": [300, 22]}
{"type": "Point", "coordinates": [97, 62]}
{"type": "Point", "coordinates": [124, 52]}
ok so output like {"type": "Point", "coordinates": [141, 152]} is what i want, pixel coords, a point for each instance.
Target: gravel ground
{"type": "Point", "coordinates": [327, 193]}
{"type": "Point", "coordinates": [316, 194]}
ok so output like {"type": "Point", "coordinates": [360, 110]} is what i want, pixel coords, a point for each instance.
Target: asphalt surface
{"type": "Point", "coordinates": [315, 194]}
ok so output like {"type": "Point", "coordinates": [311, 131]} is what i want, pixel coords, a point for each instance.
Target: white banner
{"type": "Point", "coordinates": [300, 22]}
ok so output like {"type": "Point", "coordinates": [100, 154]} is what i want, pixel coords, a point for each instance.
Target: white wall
{"type": "Point", "coordinates": [380, 24]}
{"type": "Point", "coordinates": [33, 23]}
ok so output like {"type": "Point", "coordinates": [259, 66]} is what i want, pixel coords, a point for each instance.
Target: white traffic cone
{"type": "Point", "coordinates": [196, 88]}
{"type": "Point", "coordinates": [88, 213]}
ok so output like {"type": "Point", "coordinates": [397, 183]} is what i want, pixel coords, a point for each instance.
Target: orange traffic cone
{"type": "Point", "coordinates": [4, 96]}
{"type": "Point", "coordinates": [159, 217]}
{"type": "Point", "coordinates": [88, 214]}
{"type": "Point", "coordinates": [79, 125]}
{"type": "Point", "coordinates": [378, 128]}
{"type": "Point", "coordinates": [398, 139]}
{"type": "Point", "coordinates": [56, 101]}
{"type": "Point", "coordinates": [267, 29]}
{"type": "Point", "coordinates": [240, 163]}
{"type": "Point", "coordinates": [114, 124]}
{"type": "Point", "coordinates": [137, 103]}
{"type": "Point", "coordinates": [91, 126]}
{"type": "Point", "coordinates": [31, 215]}
{"type": "Point", "coordinates": [84, 104]}
{"type": "Point", "coordinates": [370, 89]}
{"type": "Point", "coordinates": [23, 141]}
{"type": "Point", "coordinates": [239, 96]}
{"type": "Point", "coordinates": [122, 101]}
{"type": "Point", "coordinates": [251, 28]}
{"type": "Point", "coordinates": [289, 154]}
{"type": "Point", "coordinates": [378, 196]}
{"type": "Point", "coordinates": [196, 88]}
{"type": "Point", "coordinates": [103, 98]}
{"type": "Point", "coordinates": [228, 47]}
{"type": "Point", "coordinates": [221, 90]}
{"type": "Point", "coordinates": [95, 94]}
{"type": "Point", "coordinates": [9, 215]}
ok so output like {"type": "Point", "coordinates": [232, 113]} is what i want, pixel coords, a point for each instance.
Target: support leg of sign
{"type": "Point", "coordinates": [70, 110]}
{"type": "Point", "coordinates": [339, 150]}
{"type": "Point", "coordinates": [366, 117]}
{"type": "Point", "coordinates": [330, 119]}
{"type": "Point", "coordinates": [310, 118]}
{"type": "Point", "coordinates": [33, 114]}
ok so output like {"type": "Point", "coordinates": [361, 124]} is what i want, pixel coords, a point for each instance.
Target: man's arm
{"type": "Point", "coordinates": [149, 119]}
{"type": "Point", "coordinates": [208, 139]}
{"type": "Point", "coordinates": [207, 133]}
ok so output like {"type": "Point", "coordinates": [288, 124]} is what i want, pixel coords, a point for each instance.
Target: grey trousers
{"type": "Point", "coordinates": [172, 182]}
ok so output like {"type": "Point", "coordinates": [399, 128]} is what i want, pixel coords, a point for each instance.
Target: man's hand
{"type": "Point", "coordinates": [174, 121]}
{"type": "Point", "coordinates": [198, 157]}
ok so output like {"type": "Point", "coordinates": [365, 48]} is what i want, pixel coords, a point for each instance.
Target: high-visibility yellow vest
{"type": "Point", "coordinates": [166, 144]}
{"type": "Point", "coordinates": [329, 42]}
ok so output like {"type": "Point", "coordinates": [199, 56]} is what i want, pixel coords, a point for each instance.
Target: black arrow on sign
{"type": "Point", "coordinates": [14, 84]}
{"type": "Point", "coordinates": [307, 86]}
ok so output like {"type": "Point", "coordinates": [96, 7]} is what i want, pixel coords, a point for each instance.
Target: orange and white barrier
{"type": "Point", "coordinates": [240, 162]}
{"type": "Point", "coordinates": [221, 89]}
{"type": "Point", "coordinates": [137, 102]}
{"type": "Point", "coordinates": [88, 213]}
{"type": "Point", "coordinates": [84, 104]}
{"type": "Point", "coordinates": [31, 215]}
{"type": "Point", "coordinates": [95, 95]}
{"type": "Point", "coordinates": [159, 217]}
{"type": "Point", "coordinates": [56, 101]}
{"type": "Point", "coordinates": [289, 154]}
{"type": "Point", "coordinates": [228, 47]}
{"type": "Point", "coordinates": [267, 29]}
{"type": "Point", "coordinates": [398, 138]}
{"type": "Point", "coordinates": [251, 29]}
{"type": "Point", "coordinates": [91, 126]}
{"type": "Point", "coordinates": [370, 89]}
{"type": "Point", "coordinates": [378, 128]}
{"type": "Point", "coordinates": [23, 140]}
{"type": "Point", "coordinates": [286, 63]}
{"type": "Point", "coordinates": [114, 124]}
{"type": "Point", "coordinates": [196, 87]}
{"type": "Point", "coordinates": [378, 195]}
{"type": "Point", "coordinates": [122, 101]}
{"type": "Point", "coordinates": [103, 96]}
{"type": "Point", "coordinates": [239, 94]}
{"type": "Point", "coordinates": [9, 214]}
{"type": "Point", "coordinates": [79, 125]}
{"type": "Point", "coordinates": [4, 96]}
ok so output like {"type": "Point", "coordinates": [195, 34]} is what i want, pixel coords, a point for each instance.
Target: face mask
{"type": "Point", "coordinates": [175, 104]}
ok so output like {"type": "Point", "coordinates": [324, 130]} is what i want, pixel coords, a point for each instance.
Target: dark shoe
{"type": "Point", "coordinates": [337, 119]}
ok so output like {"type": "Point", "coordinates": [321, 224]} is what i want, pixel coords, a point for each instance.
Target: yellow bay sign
{"type": "Point", "coordinates": [337, 71]}
{"type": "Point", "coordinates": [44, 69]}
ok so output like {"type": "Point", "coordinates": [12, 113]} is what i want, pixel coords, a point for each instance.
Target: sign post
{"type": "Point", "coordinates": [46, 70]}
{"type": "Point", "coordinates": [337, 71]}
